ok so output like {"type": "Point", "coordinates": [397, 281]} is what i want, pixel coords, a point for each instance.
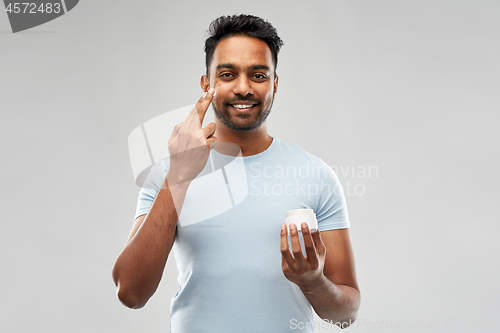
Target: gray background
{"type": "Point", "coordinates": [410, 88]}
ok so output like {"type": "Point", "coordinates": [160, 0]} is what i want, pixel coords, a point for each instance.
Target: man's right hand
{"type": "Point", "coordinates": [139, 267]}
{"type": "Point", "coordinates": [189, 145]}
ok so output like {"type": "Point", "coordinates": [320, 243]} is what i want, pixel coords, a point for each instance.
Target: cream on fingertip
{"type": "Point", "coordinates": [214, 91]}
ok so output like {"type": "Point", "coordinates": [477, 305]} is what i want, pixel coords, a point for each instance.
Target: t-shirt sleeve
{"type": "Point", "coordinates": [150, 189]}
{"type": "Point", "coordinates": [331, 210]}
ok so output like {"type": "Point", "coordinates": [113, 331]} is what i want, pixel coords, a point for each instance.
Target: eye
{"type": "Point", "coordinates": [260, 77]}
{"type": "Point", "coordinates": [225, 75]}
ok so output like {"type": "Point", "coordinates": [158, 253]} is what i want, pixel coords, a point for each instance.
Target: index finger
{"type": "Point", "coordinates": [203, 104]}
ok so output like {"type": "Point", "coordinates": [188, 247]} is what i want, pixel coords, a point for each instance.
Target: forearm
{"type": "Point", "coordinates": [333, 303]}
{"type": "Point", "coordinates": [139, 267]}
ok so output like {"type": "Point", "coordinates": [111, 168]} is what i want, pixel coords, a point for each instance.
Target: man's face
{"type": "Point", "coordinates": [242, 73]}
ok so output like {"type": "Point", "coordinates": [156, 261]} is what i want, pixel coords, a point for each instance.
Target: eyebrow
{"type": "Point", "coordinates": [231, 66]}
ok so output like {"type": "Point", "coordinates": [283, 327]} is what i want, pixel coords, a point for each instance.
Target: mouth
{"type": "Point", "coordinates": [243, 106]}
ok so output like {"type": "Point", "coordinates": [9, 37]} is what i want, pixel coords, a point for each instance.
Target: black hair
{"type": "Point", "coordinates": [253, 26]}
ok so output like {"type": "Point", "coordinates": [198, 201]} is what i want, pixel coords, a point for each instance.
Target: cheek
{"type": "Point", "coordinates": [221, 89]}
{"type": "Point", "coordinates": [269, 94]}
{"type": "Point", "coordinates": [220, 98]}
{"type": "Point", "coordinates": [269, 89]}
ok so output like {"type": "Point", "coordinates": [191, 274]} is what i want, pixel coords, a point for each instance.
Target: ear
{"type": "Point", "coordinates": [204, 83]}
{"type": "Point", "coordinates": [276, 84]}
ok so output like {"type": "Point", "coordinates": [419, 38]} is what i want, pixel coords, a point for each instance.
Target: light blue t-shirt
{"type": "Point", "coordinates": [227, 246]}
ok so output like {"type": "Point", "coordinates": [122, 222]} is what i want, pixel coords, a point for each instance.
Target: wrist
{"type": "Point", "coordinates": [175, 179]}
{"type": "Point", "coordinates": [316, 286]}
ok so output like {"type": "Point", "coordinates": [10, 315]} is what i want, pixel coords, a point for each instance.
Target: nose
{"type": "Point", "coordinates": [242, 86]}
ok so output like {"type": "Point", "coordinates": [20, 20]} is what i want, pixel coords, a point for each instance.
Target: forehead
{"type": "Point", "coordinates": [243, 52]}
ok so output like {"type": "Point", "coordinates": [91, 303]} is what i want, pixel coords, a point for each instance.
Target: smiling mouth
{"type": "Point", "coordinates": [242, 106]}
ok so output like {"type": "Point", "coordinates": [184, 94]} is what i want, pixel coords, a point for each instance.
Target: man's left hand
{"type": "Point", "coordinates": [303, 271]}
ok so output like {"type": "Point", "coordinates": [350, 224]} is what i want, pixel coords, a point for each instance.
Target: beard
{"type": "Point", "coordinates": [243, 122]}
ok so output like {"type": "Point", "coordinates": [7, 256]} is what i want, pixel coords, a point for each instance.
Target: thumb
{"type": "Point", "coordinates": [209, 130]}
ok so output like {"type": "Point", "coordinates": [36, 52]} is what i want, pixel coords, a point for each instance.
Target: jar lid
{"type": "Point", "coordinates": [299, 211]}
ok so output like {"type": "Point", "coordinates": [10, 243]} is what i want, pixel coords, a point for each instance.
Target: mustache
{"type": "Point", "coordinates": [242, 99]}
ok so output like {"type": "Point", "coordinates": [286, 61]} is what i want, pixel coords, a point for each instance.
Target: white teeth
{"type": "Point", "coordinates": [242, 106]}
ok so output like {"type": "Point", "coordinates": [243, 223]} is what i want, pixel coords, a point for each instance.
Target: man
{"type": "Point", "coordinates": [232, 277]}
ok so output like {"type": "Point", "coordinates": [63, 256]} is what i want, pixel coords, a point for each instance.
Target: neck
{"type": "Point", "coordinates": [250, 142]}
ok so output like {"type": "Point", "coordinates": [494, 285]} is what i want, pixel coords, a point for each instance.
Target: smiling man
{"type": "Point", "coordinates": [236, 273]}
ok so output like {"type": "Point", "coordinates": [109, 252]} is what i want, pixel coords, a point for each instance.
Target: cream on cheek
{"type": "Point", "coordinates": [215, 86]}
{"type": "Point", "coordinates": [217, 100]}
